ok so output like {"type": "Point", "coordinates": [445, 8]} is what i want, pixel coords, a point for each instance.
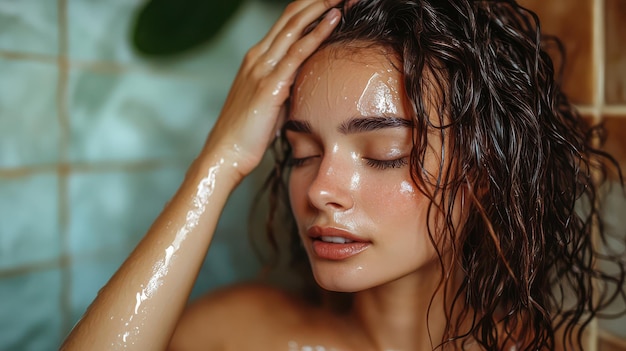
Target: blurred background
{"type": "Point", "coordinates": [95, 137]}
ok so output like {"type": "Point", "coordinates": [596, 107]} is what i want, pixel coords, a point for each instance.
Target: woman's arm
{"type": "Point", "coordinates": [139, 307]}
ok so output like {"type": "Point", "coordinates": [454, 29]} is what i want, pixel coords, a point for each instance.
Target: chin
{"type": "Point", "coordinates": [341, 287]}
{"type": "Point", "coordinates": [342, 279]}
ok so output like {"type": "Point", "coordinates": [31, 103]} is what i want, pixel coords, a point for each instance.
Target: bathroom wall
{"type": "Point", "coordinates": [95, 139]}
{"type": "Point", "coordinates": [594, 36]}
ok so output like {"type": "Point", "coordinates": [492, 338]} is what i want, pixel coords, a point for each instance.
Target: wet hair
{"type": "Point", "coordinates": [524, 162]}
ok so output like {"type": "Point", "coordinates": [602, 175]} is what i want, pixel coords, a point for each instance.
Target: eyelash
{"type": "Point", "coordinates": [387, 164]}
{"type": "Point", "coordinates": [378, 164]}
{"type": "Point", "coordinates": [296, 162]}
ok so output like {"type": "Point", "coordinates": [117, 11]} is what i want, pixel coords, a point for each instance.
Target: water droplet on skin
{"type": "Point", "coordinates": [355, 181]}
{"type": "Point", "coordinates": [160, 269]}
{"type": "Point", "coordinates": [406, 188]}
{"type": "Point", "coordinates": [377, 98]}
{"type": "Point", "coordinates": [279, 87]}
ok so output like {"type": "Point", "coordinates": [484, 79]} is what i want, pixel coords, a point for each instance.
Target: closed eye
{"type": "Point", "coordinates": [298, 161]}
{"type": "Point", "coordinates": [387, 164]}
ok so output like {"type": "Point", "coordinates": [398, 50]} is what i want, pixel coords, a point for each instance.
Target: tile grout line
{"type": "Point", "coordinates": [598, 105]}
{"type": "Point", "coordinates": [87, 167]}
{"type": "Point", "coordinates": [618, 111]}
{"type": "Point", "coordinates": [103, 67]}
{"type": "Point", "coordinates": [46, 265]}
{"type": "Point", "coordinates": [599, 59]}
{"type": "Point", "coordinates": [55, 263]}
{"type": "Point", "coordinates": [62, 168]}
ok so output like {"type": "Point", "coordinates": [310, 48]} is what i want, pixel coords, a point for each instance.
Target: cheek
{"type": "Point", "coordinates": [297, 187]}
{"type": "Point", "coordinates": [398, 201]}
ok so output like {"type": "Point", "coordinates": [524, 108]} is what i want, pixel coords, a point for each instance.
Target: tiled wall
{"type": "Point", "coordinates": [594, 34]}
{"type": "Point", "coordinates": [94, 139]}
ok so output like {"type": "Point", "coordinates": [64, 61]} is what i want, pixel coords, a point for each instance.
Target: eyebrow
{"type": "Point", "coordinates": [353, 125]}
{"type": "Point", "coordinates": [368, 124]}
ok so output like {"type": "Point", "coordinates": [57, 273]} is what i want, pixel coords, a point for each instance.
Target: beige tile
{"type": "Point", "coordinates": [612, 344]}
{"type": "Point", "coordinates": [615, 32]}
{"type": "Point", "coordinates": [572, 22]}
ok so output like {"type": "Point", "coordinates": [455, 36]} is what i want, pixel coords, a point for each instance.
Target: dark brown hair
{"type": "Point", "coordinates": [523, 157]}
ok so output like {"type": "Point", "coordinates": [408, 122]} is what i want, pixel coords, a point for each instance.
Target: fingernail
{"type": "Point", "coordinates": [333, 15]}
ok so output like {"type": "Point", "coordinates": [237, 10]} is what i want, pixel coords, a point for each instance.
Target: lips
{"type": "Point", "coordinates": [335, 244]}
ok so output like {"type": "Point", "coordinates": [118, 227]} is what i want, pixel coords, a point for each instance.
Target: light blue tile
{"type": "Point", "coordinates": [137, 116]}
{"type": "Point", "coordinates": [88, 276]}
{"type": "Point", "coordinates": [29, 227]}
{"type": "Point", "coordinates": [29, 130]}
{"type": "Point", "coordinates": [231, 258]}
{"type": "Point", "coordinates": [220, 58]}
{"type": "Point", "coordinates": [29, 26]}
{"type": "Point", "coordinates": [112, 211]}
{"type": "Point", "coordinates": [249, 25]}
{"type": "Point", "coordinates": [30, 312]}
{"type": "Point", "coordinates": [100, 30]}
{"type": "Point", "coordinates": [614, 215]}
{"type": "Point", "coordinates": [614, 210]}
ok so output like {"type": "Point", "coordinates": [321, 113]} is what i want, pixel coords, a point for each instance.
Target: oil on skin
{"type": "Point", "coordinates": [160, 269]}
{"type": "Point", "coordinates": [377, 98]}
{"type": "Point", "coordinates": [329, 97]}
{"type": "Point", "coordinates": [293, 346]}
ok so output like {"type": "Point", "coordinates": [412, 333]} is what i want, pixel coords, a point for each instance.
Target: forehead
{"type": "Point", "coordinates": [366, 79]}
{"type": "Point", "coordinates": [349, 62]}
{"type": "Point", "coordinates": [355, 54]}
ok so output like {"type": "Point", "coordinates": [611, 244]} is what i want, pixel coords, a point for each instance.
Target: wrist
{"type": "Point", "coordinates": [216, 167]}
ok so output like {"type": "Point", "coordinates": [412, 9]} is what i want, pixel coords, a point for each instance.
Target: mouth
{"type": "Point", "coordinates": [335, 244]}
{"type": "Point", "coordinates": [335, 239]}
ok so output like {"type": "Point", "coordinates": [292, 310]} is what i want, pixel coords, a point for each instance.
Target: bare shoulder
{"type": "Point", "coordinates": [221, 317]}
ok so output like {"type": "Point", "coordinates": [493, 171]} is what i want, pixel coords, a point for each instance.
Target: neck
{"type": "Point", "coordinates": [406, 314]}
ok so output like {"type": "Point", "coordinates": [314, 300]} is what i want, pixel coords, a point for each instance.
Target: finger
{"type": "Point", "coordinates": [280, 78]}
{"type": "Point", "coordinates": [289, 28]}
{"type": "Point", "coordinates": [305, 46]}
{"type": "Point", "coordinates": [291, 9]}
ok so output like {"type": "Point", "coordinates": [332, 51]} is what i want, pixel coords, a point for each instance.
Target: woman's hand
{"type": "Point", "coordinates": [251, 113]}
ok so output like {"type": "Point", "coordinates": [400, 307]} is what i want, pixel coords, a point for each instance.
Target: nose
{"type": "Point", "coordinates": [333, 185]}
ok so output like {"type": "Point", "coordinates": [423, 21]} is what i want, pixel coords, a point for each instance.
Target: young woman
{"type": "Point", "coordinates": [434, 172]}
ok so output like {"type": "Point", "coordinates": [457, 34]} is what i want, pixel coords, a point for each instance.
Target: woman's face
{"type": "Point", "coordinates": [361, 218]}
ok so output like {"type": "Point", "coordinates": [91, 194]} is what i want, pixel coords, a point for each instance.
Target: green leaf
{"type": "Point", "coordinates": [170, 27]}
